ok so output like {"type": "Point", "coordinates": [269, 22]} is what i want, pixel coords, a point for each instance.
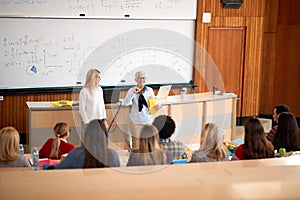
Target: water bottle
{"type": "Point", "coordinates": [223, 136]}
{"type": "Point", "coordinates": [35, 159]}
{"type": "Point", "coordinates": [183, 92]}
{"type": "Point", "coordinates": [21, 150]}
{"type": "Point", "coordinates": [214, 90]}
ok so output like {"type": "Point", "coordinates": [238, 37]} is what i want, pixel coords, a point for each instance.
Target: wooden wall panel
{"type": "Point", "coordinates": [271, 16]}
{"type": "Point", "coordinates": [229, 22]}
{"type": "Point", "coordinates": [268, 74]}
{"type": "Point", "coordinates": [280, 58]}
{"type": "Point", "coordinates": [287, 82]}
{"type": "Point", "coordinates": [268, 57]}
{"type": "Point", "coordinates": [226, 47]}
{"type": "Point", "coordinates": [250, 16]}
{"type": "Point", "coordinates": [287, 76]}
{"type": "Point", "coordinates": [200, 51]}
{"type": "Point", "coordinates": [252, 70]}
{"type": "Point", "coordinates": [250, 8]}
{"type": "Point", "coordinates": [288, 12]}
{"type": "Point", "coordinates": [255, 8]}
{"type": "Point", "coordinates": [14, 111]}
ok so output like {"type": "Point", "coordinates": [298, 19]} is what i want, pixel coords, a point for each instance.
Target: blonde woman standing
{"type": "Point", "coordinates": [9, 149]}
{"type": "Point", "coordinates": [212, 148]}
{"type": "Point", "coordinates": [55, 147]}
{"type": "Point", "coordinates": [91, 102]}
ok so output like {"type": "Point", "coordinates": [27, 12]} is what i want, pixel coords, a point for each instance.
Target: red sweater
{"type": "Point", "coordinates": [239, 152]}
{"type": "Point", "coordinates": [47, 147]}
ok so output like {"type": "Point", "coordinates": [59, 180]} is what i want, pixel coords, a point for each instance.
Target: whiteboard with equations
{"type": "Point", "coordinates": [136, 9]}
{"type": "Point", "coordinates": [43, 52]}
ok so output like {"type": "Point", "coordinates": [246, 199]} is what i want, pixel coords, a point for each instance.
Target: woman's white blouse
{"type": "Point", "coordinates": [91, 106]}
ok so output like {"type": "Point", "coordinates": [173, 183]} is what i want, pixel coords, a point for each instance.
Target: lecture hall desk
{"type": "Point", "coordinates": [276, 178]}
{"type": "Point", "coordinates": [190, 114]}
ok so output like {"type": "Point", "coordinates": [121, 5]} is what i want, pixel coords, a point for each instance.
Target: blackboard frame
{"type": "Point", "coordinates": [20, 91]}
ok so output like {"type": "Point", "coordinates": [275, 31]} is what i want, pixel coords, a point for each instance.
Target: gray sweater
{"type": "Point", "coordinates": [20, 161]}
{"type": "Point", "coordinates": [75, 159]}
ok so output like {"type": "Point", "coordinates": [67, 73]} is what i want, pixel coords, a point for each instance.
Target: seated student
{"type": "Point", "coordinates": [278, 109]}
{"type": "Point", "coordinates": [94, 153]}
{"type": "Point", "coordinates": [55, 147]}
{"type": "Point", "coordinates": [287, 135]}
{"type": "Point", "coordinates": [212, 147]}
{"type": "Point", "coordinates": [256, 145]}
{"type": "Point", "coordinates": [9, 149]}
{"type": "Point", "coordinates": [149, 152]}
{"type": "Point", "coordinates": [166, 127]}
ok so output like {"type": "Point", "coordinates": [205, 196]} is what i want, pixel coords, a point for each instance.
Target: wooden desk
{"type": "Point", "coordinates": [190, 114]}
{"type": "Point", "coordinates": [276, 178]}
{"type": "Point", "coordinates": [43, 116]}
{"type": "Point", "coordinates": [193, 111]}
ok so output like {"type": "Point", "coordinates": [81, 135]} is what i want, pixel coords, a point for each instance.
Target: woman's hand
{"type": "Point", "coordinates": [157, 107]}
{"type": "Point", "coordinates": [105, 124]}
{"type": "Point", "coordinates": [136, 90]}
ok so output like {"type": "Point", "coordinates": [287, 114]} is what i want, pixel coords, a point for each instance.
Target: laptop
{"type": "Point", "coordinates": [163, 92]}
{"type": "Point", "coordinates": [111, 95]}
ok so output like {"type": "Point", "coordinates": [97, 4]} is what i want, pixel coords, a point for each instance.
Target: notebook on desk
{"type": "Point", "coordinates": [163, 92]}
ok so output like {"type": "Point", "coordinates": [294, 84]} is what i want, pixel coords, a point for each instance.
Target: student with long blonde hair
{"type": "Point", "coordinates": [149, 152]}
{"type": "Point", "coordinates": [91, 101]}
{"type": "Point", "coordinates": [212, 147]}
{"type": "Point", "coordinates": [9, 149]}
{"type": "Point", "coordinates": [54, 148]}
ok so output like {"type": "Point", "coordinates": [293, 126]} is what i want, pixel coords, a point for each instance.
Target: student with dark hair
{"type": "Point", "coordinates": [94, 153]}
{"type": "Point", "coordinates": [278, 109]}
{"type": "Point", "coordinates": [287, 135]}
{"type": "Point", "coordinates": [256, 145]}
{"type": "Point", "coordinates": [166, 127]}
{"type": "Point", "coordinates": [55, 147]}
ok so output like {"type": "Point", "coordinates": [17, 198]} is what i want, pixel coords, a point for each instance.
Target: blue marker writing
{"type": "Point", "coordinates": [33, 69]}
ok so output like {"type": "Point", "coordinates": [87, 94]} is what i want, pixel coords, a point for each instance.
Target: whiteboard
{"type": "Point", "coordinates": [38, 53]}
{"type": "Point", "coordinates": [136, 9]}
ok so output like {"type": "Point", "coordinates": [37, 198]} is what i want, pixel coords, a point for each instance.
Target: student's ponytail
{"type": "Point", "coordinates": [60, 130]}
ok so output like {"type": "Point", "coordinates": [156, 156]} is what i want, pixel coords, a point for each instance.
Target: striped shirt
{"type": "Point", "coordinates": [271, 135]}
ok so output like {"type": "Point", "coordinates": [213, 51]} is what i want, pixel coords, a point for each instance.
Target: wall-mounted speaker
{"type": "Point", "coordinates": [232, 3]}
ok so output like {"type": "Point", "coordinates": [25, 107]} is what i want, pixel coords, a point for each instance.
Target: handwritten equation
{"type": "Point", "coordinates": [60, 51]}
